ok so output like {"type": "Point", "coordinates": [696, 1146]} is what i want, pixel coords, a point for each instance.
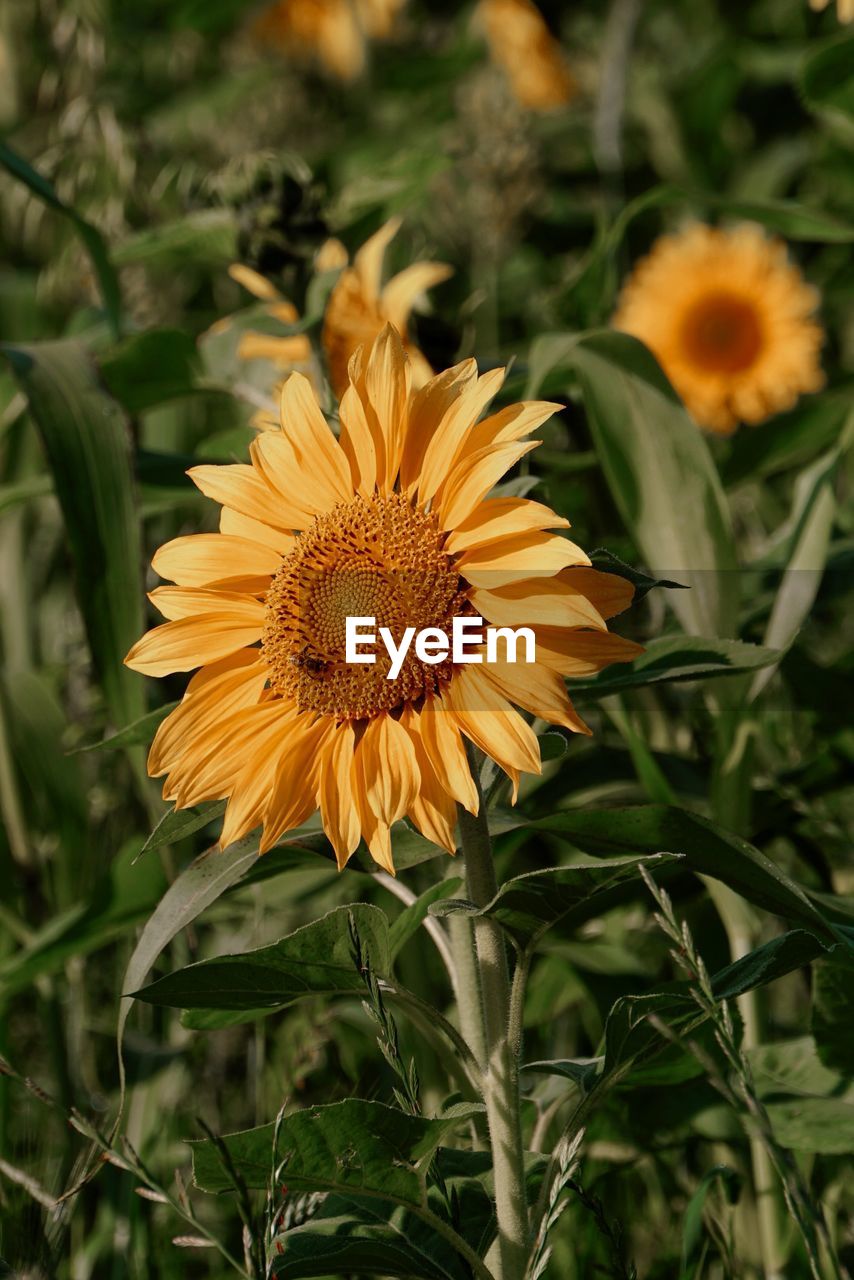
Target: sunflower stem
{"type": "Point", "coordinates": [499, 1064]}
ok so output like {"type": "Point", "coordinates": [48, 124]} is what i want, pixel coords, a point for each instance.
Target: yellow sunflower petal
{"type": "Point", "coordinates": [317, 452]}
{"type": "Point", "coordinates": [388, 383]}
{"type": "Point", "coordinates": [191, 642]}
{"type": "Point", "coordinates": [244, 489]}
{"type": "Point", "coordinates": [201, 558]}
{"type": "Point", "coordinates": [239, 526]}
{"type": "Point", "coordinates": [538, 602]}
{"type": "Point", "coordinates": [442, 740]}
{"type": "Point", "coordinates": [529, 555]}
{"type": "Point", "coordinates": [498, 518]}
{"type": "Point", "coordinates": [213, 694]}
{"type": "Point", "coordinates": [574, 651]}
{"type": "Point", "coordinates": [512, 423]}
{"type": "Point", "coordinates": [489, 720]}
{"type": "Point", "coordinates": [360, 443]}
{"type": "Point", "coordinates": [607, 592]}
{"type": "Point", "coordinates": [254, 283]}
{"type": "Point", "coordinates": [368, 262]}
{"type": "Point", "coordinates": [293, 798]}
{"type": "Point", "coordinates": [335, 793]}
{"type": "Point", "coordinates": [472, 479]}
{"type": "Point", "coordinates": [428, 408]}
{"type": "Point", "coordinates": [536, 689]}
{"type": "Point", "coordinates": [389, 768]}
{"type": "Point", "coordinates": [457, 422]}
{"type": "Point", "coordinates": [188, 602]}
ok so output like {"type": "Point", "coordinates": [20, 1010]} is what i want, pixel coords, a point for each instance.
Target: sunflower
{"type": "Point", "coordinates": [528, 54]}
{"type": "Point", "coordinates": [360, 306]}
{"type": "Point", "coordinates": [390, 521]}
{"type": "Point", "coordinates": [729, 319]}
{"type": "Point", "coordinates": [332, 32]}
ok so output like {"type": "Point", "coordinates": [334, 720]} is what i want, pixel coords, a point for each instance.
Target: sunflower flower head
{"type": "Point", "coordinates": [360, 306]}
{"type": "Point", "coordinates": [521, 44]}
{"type": "Point", "coordinates": [391, 521]}
{"type": "Point", "coordinates": [731, 321]}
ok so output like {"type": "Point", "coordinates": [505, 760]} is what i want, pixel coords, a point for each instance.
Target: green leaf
{"type": "Point", "coordinates": [692, 1222]}
{"type": "Point", "coordinates": [315, 960]}
{"type": "Point", "coordinates": [826, 81]}
{"type": "Point", "coordinates": [607, 562]}
{"type": "Point", "coordinates": [142, 730]}
{"type": "Point", "coordinates": [672, 658]}
{"type": "Point", "coordinates": [706, 848]}
{"type": "Point", "coordinates": [151, 368]}
{"type": "Point", "coordinates": [833, 1012]}
{"type": "Point", "coordinates": [527, 905]}
{"type": "Point", "coordinates": [178, 823]}
{"type": "Point", "coordinates": [787, 441]}
{"type": "Point", "coordinates": [345, 1237]}
{"type": "Point", "coordinates": [88, 447]}
{"type": "Point", "coordinates": [355, 1147]}
{"type": "Point", "coordinates": [108, 280]}
{"type": "Point", "coordinates": [661, 475]}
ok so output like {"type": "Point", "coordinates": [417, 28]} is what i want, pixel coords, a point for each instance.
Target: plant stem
{"type": "Point", "coordinates": [500, 1064]}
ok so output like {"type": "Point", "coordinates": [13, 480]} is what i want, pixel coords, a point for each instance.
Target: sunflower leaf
{"type": "Point", "coordinates": [315, 960]}
{"type": "Point", "coordinates": [672, 658]}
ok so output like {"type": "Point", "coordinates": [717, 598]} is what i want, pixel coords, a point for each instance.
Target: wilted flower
{"type": "Point", "coordinates": [392, 522]}
{"type": "Point", "coordinates": [522, 45]}
{"type": "Point", "coordinates": [360, 306]}
{"type": "Point", "coordinates": [730, 320]}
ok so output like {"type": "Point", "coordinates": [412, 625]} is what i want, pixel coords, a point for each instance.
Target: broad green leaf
{"type": "Point", "coordinates": [354, 1147]}
{"type": "Point", "coordinates": [833, 1012]}
{"type": "Point", "coordinates": [88, 448]}
{"type": "Point", "coordinates": [706, 849]}
{"type": "Point", "coordinates": [150, 368]}
{"type": "Point", "coordinates": [108, 280]}
{"type": "Point", "coordinates": [662, 477]}
{"type": "Point", "coordinates": [178, 823]}
{"type": "Point", "coordinates": [142, 730]}
{"type": "Point", "coordinates": [824, 1126]}
{"type": "Point", "coordinates": [347, 1239]}
{"type": "Point", "coordinates": [671, 658]}
{"type": "Point", "coordinates": [527, 905]}
{"type": "Point", "coordinates": [826, 81]}
{"type": "Point", "coordinates": [692, 1221]}
{"type": "Point", "coordinates": [315, 960]}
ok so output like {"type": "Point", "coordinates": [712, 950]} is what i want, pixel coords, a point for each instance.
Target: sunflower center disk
{"type": "Point", "coordinates": [721, 333]}
{"type": "Point", "coordinates": [379, 558]}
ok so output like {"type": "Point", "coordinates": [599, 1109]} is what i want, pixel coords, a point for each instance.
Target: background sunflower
{"type": "Point", "coordinates": [643, 215]}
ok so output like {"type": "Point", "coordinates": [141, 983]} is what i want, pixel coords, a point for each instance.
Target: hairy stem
{"type": "Point", "coordinates": [499, 1064]}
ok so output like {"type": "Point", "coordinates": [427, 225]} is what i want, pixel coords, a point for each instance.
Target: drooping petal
{"type": "Point", "coordinates": [489, 720]}
{"type": "Point", "coordinates": [202, 558]}
{"type": "Point", "coordinates": [575, 651]}
{"type": "Point", "coordinates": [442, 741]}
{"type": "Point", "coordinates": [209, 768]}
{"type": "Point", "coordinates": [607, 592]}
{"type": "Point", "coordinates": [433, 811]}
{"type": "Point", "coordinates": [293, 796]}
{"type": "Point", "coordinates": [537, 689]}
{"type": "Point", "coordinates": [498, 518]}
{"type": "Point", "coordinates": [335, 793]}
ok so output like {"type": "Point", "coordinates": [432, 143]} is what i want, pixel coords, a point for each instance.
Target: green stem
{"type": "Point", "coordinates": [500, 1063]}
{"type": "Point", "coordinates": [467, 984]}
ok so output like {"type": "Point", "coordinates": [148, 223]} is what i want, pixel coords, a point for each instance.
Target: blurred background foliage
{"type": "Point", "coordinates": [150, 145]}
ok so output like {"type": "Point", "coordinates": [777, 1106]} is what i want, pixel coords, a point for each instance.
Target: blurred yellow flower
{"type": "Point", "coordinates": [389, 521]}
{"type": "Point", "coordinates": [331, 32]}
{"type": "Point", "coordinates": [522, 45]}
{"type": "Point", "coordinates": [730, 320]}
{"type": "Point", "coordinates": [360, 306]}
{"type": "Point", "coordinates": [844, 8]}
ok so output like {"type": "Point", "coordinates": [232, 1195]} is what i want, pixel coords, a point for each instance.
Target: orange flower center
{"type": "Point", "coordinates": [721, 333]}
{"type": "Point", "coordinates": [376, 558]}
